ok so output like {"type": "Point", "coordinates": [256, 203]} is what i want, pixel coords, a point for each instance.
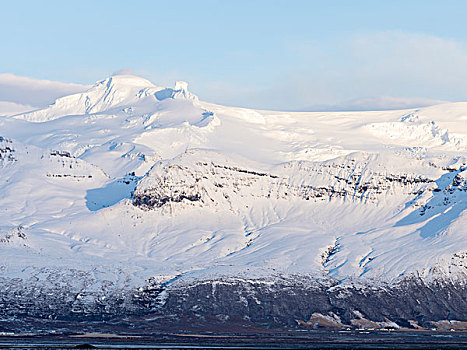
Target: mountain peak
{"type": "Point", "coordinates": [181, 85]}
{"type": "Point", "coordinates": [124, 80]}
{"type": "Point", "coordinates": [117, 91]}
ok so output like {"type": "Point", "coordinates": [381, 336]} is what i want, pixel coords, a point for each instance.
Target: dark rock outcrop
{"type": "Point", "coordinates": [282, 302]}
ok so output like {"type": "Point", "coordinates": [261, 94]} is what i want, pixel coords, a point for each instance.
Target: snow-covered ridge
{"type": "Point", "coordinates": [116, 92]}
{"type": "Point", "coordinates": [413, 131]}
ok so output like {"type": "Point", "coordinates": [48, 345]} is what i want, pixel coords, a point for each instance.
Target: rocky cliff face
{"type": "Point", "coordinates": [6, 150]}
{"type": "Point", "coordinates": [220, 183]}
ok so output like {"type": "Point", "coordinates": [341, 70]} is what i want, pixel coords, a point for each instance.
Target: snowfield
{"type": "Point", "coordinates": [129, 183]}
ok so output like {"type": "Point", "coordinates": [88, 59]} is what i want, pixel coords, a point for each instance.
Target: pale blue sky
{"type": "Point", "coordinates": [264, 54]}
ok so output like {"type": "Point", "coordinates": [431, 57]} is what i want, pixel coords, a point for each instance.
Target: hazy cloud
{"type": "Point", "coordinates": [34, 92]}
{"type": "Point", "coordinates": [124, 71]}
{"type": "Point", "coordinates": [410, 64]}
{"type": "Point", "coordinates": [419, 69]}
{"type": "Point", "coordinates": [11, 108]}
{"type": "Point", "coordinates": [378, 103]}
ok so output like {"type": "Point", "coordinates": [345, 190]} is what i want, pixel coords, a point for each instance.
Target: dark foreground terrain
{"type": "Point", "coordinates": [233, 304]}
{"type": "Point", "coordinates": [314, 339]}
{"type": "Point", "coordinates": [283, 313]}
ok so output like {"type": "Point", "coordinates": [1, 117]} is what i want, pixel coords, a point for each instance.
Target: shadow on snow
{"type": "Point", "coordinates": [446, 206]}
{"type": "Point", "coordinates": [111, 194]}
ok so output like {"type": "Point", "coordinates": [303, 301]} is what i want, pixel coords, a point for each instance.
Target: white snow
{"type": "Point", "coordinates": [349, 194]}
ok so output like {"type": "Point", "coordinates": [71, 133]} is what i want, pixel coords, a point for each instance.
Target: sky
{"type": "Point", "coordinates": [288, 55]}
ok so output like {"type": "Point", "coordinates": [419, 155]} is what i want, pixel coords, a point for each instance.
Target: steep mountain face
{"type": "Point", "coordinates": [139, 200]}
{"type": "Point", "coordinates": [213, 181]}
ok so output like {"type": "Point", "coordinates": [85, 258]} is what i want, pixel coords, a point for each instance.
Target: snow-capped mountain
{"type": "Point", "coordinates": [142, 198]}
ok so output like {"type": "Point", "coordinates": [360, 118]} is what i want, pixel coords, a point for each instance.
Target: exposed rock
{"type": "Point", "coordinates": [214, 184]}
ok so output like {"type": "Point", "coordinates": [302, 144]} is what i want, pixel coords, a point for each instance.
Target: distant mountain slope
{"type": "Point", "coordinates": [132, 188]}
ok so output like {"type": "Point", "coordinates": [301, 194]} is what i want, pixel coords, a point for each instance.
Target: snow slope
{"type": "Point", "coordinates": [149, 181]}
